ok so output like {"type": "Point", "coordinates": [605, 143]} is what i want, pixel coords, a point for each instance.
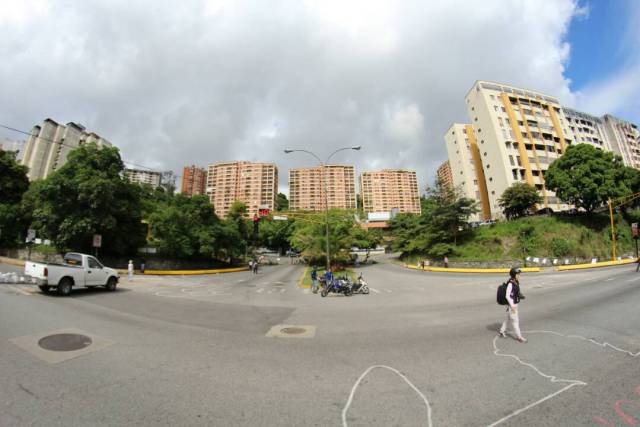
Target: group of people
{"type": "Point", "coordinates": [328, 278]}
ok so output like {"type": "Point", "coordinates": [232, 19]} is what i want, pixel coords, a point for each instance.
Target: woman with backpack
{"type": "Point", "coordinates": [513, 296]}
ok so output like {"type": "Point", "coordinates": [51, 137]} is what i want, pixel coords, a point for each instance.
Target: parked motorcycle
{"type": "Point", "coordinates": [360, 286]}
{"type": "Point", "coordinates": [340, 285]}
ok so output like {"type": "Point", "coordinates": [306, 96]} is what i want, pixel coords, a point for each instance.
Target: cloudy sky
{"type": "Point", "coordinates": [195, 81]}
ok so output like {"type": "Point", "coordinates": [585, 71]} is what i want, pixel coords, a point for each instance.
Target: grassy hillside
{"type": "Point", "coordinates": [581, 236]}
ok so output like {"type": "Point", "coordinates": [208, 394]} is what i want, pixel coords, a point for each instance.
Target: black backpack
{"type": "Point", "coordinates": [502, 294]}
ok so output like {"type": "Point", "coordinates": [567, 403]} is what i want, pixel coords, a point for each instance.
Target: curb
{"type": "Point", "coordinates": [301, 279]}
{"type": "Point", "coordinates": [12, 261]}
{"type": "Point", "coordinates": [596, 265]}
{"type": "Point", "coordinates": [472, 270]}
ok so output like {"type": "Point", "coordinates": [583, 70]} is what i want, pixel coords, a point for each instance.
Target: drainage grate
{"type": "Point", "coordinates": [65, 342]}
{"type": "Point", "coordinates": [293, 331]}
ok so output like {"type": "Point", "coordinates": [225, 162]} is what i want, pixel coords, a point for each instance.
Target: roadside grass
{"type": "Point", "coordinates": [558, 236]}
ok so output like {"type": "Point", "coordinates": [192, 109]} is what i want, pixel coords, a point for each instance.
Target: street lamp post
{"type": "Point", "coordinates": [324, 187]}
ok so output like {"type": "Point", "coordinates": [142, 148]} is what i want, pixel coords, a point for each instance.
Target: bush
{"type": "Point", "coordinates": [560, 247]}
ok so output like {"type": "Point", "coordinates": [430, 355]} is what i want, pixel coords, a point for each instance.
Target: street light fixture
{"type": "Point", "coordinates": [324, 187]}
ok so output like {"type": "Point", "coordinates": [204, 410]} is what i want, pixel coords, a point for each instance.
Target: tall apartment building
{"type": "Point", "coordinates": [15, 147]}
{"type": "Point", "coordinates": [587, 129]}
{"type": "Point", "coordinates": [144, 177]}
{"type": "Point", "coordinates": [624, 139]}
{"type": "Point", "coordinates": [254, 184]}
{"type": "Point", "coordinates": [194, 181]}
{"type": "Point", "coordinates": [444, 174]}
{"type": "Point", "coordinates": [387, 190]}
{"type": "Point", "coordinates": [515, 134]}
{"type": "Point", "coordinates": [50, 143]}
{"type": "Point", "coordinates": [306, 190]}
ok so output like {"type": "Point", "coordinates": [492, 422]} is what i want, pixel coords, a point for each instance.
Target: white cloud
{"type": "Point", "coordinates": [205, 81]}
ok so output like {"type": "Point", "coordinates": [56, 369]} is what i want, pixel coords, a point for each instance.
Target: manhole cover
{"type": "Point", "coordinates": [65, 342]}
{"type": "Point", "coordinates": [293, 331]}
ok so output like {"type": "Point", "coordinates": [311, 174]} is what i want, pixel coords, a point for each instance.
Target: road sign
{"type": "Point", "coordinates": [263, 212]}
{"type": "Point", "coordinates": [31, 236]}
{"type": "Point", "coordinates": [634, 230]}
{"type": "Point", "coordinates": [280, 218]}
{"type": "Point", "coordinates": [97, 240]}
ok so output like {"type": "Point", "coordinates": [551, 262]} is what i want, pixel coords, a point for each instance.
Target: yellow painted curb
{"type": "Point", "coordinates": [193, 272]}
{"type": "Point", "coordinates": [473, 270]}
{"type": "Point", "coordinates": [301, 279]}
{"type": "Point", "coordinates": [12, 261]}
{"type": "Point", "coordinates": [596, 265]}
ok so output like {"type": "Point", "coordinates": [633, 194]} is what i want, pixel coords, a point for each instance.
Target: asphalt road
{"type": "Point", "coordinates": [421, 349]}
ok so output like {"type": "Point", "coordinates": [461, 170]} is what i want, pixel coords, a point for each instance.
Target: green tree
{"type": "Point", "coordinates": [518, 200]}
{"type": "Point", "coordinates": [282, 203]}
{"type": "Point", "coordinates": [186, 227]}
{"type": "Point", "coordinates": [276, 234]}
{"type": "Point", "coordinates": [13, 184]}
{"type": "Point", "coordinates": [586, 177]}
{"type": "Point", "coordinates": [88, 196]}
{"type": "Point", "coordinates": [310, 238]}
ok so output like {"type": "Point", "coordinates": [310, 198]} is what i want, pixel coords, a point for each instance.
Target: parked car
{"type": "Point", "coordinates": [77, 271]}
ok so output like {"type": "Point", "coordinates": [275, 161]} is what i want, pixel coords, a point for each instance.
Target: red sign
{"type": "Point", "coordinates": [263, 212]}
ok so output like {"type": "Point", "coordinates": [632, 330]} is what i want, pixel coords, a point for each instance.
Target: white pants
{"type": "Point", "coordinates": [513, 321]}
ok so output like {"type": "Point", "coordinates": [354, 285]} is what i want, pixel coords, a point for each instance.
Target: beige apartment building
{"type": "Point", "coordinates": [50, 143]}
{"type": "Point", "coordinates": [254, 184]}
{"type": "Point", "coordinates": [516, 133]}
{"type": "Point", "coordinates": [513, 136]}
{"type": "Point", "coordinates": [194, 181]}
{"type": "Point", "coordinates": [306, 188]}
{"type": "Point", "coordinates": [444, 174]}
{"type": "Point", "coordinates": [624, 139]}
{"type": "Point", "coordinates": [388, 190]}
{"type": "Point", "coordinates": [141, 176]}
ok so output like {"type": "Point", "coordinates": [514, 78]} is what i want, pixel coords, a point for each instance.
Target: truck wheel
{"type": "Point", "coordinates": [64, 287]}
{"type": "Point", "coordinates": [111, 284]}
{"type": "Point", "coordinates": [44, 288]}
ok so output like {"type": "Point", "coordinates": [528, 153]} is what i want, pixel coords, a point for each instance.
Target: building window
{"type": "Point", "coordinates": [511, 160]}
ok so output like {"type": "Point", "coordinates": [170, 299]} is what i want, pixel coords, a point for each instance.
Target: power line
{"type": "Point", "coordinates": [51, 141]}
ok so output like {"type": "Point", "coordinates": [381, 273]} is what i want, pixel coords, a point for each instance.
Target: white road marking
{"type": "Point", "coordinates": [608, 280]}
{"type": "Point", "coordinates": [389, 291]}
{"type": "Point", "coordinates": [552, 378]}
{"type": "Point", "coordinates": [374, 290]}
{"type": "Point", "coordinates": [395, 371]}
{"type": "Point", "coordinates": [259, 290]}
{"type": "Point", "coordinates": [306, 291]}
{"type": "Point", "coordinates": [283, 290]}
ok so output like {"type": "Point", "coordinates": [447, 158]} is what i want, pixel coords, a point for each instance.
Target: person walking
{"type": "Point", "coordinates": [314, 280]}
{"type": "Point", "coordinates": [446, 262]}
{"type": "Point", "coordinates": [142, 266]}
{"type": "Point", "coordinates": [130, 270]}
{"type": "Point", "coordinates": [255, 266]}
{"type": "Point", "coordinates": [513, 297]}
{"type": "Point", "coordinates": [251, 265]}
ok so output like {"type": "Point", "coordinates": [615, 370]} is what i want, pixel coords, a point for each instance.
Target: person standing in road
{"type": "Point", "coordinates": [130, 270]}
{"type": "Point", "coordinates": [513, 296]}
{"type": "Point", "coordinates": [142, 266]}
{"type": "Point", "coordinates": [314, 280]}
{"type": "Point", "coordinates": [328, 278]}
{"type": "Point", "coordinates": [255, 266]}
{"type": "Point", "coordinates": [251, 265]}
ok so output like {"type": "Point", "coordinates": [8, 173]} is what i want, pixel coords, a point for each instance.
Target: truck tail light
{"type": "Point", "coordinates": [46, 272]}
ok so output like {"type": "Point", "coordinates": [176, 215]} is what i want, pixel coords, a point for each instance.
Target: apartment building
{"type": "Point", "coordinates": [465, 163]}
{"type": "Point", "coordinates": [518, 133]}
{"type": "Point", "coordinates": [624, 139]}
{"type": "Point", "coordinates": [50, 143]}
{"type": "Point", "coordinates": [390, 190]}
{"type": "Point", "coordinates": [444, 174]}
{"type": "Point", "coordinates": [306, 190]}
{"type": "Point", "coordinates": [254, 184]}
{"type": "Point", "coordinates": [194, 181]}
{"type": "Point", "coordinates": [587, 129]}
{"type": "Point", "coordinates": [15, 147]}
{"type": "Point", "coordinates": [140, 176]}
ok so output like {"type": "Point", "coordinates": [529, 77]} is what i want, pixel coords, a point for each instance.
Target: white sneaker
{"type": "Point", "coordinates": [521, 339]}
{"type": "Point", "coordinates": [502, 334]}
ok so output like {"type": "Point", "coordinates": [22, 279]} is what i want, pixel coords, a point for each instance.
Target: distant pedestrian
{"type": "Point", "coordinates": [251, 265]}
{"type": "Point", "coordinates": [142, 265]}
{"type": "Point", "coordinates": [422, 264]}
{"type": "Point", "coordinates": [255, 266]}
{"type": "Point", "coordinates": [328, 278]}
{"type": "Point", "coordinates": [638, 266]}
{"type": "Point", "coordinates": [513, 296]}
{"type": "Point", "coordinates": [314, 280]}
{"type": "Point", "coordinates": [446, 262]}
{"type": "Point", "coordinates": [130, 270]}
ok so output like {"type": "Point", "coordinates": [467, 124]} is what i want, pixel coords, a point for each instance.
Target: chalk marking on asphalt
{"type": "Point", "coordinates": [395, 371]}
{"type": "Point", "coordinates": [19, 290]}
{"type": "Point", "coordinates": [608, 280]}
{"type": "Point", "coordinates": [374, 290]}
{"type": "Point", "coordinates": [389, 291]}
{"type": "Point", "coordinates": [283, 290]}
{"type": "Point", "coordinates": [552, 378]}
{"type": "Point", "coordinates": [259, 290]}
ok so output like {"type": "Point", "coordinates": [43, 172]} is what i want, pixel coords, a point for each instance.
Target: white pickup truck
{"type": "Point", "coordinates": [77, 271]}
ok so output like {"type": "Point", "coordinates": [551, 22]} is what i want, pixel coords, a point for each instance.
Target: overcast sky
{"type": "Point", "coordinates": [176, 83]}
